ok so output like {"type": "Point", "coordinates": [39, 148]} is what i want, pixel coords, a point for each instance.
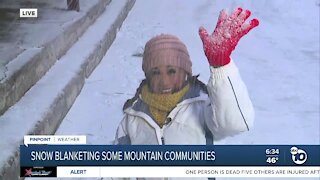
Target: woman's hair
{"type": "Point", "coordinates": [129, 102]}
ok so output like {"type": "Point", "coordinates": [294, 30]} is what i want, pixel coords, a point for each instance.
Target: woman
{"type": "Point", "coordinates": [173, 107]}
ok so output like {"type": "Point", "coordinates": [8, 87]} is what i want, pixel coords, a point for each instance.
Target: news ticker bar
{"type": "Point", "coordinates": [160, 171]}
{"type": "Point", "coordinates": [169, 155]}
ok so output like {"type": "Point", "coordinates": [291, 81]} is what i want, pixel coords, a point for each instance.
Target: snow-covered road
{"type": "Point", "coordinates": [279, 62]}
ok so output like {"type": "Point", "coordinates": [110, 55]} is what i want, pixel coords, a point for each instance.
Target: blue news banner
{"type": "Point", "coordinates": [169, 155]}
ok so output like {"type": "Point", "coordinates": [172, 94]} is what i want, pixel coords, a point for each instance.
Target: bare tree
{"type": "Point", "coordinates": [73, 5]}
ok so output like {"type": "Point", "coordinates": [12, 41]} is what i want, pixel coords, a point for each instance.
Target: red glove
{"type": "Point", "coordinates": [229, 29]}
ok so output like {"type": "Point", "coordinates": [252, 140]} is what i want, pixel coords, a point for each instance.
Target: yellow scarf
{"type": "Point", "coordinates": [161, 104]}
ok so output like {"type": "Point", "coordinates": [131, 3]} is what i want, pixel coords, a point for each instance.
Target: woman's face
{"type": "Point", "coordinates": [166, 79]}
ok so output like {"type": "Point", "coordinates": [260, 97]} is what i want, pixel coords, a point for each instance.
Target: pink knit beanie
{"type": "Point", "coordinates": [166, 49]}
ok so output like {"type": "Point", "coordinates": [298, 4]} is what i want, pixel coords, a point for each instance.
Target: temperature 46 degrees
{"type": "Point", "coordinates": [272, 160]}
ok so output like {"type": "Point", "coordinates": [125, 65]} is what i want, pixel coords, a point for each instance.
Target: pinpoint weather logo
{"type": "Point", "coordinates": [299, 156]}
{"type": "Point", "coordinates": [37, 172]}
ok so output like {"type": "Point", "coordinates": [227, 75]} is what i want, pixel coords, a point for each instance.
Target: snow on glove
{"type": "Point", "coordinates": [229, 29]}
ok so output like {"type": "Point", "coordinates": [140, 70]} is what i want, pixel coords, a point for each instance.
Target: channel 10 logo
{"type": "Point", "coordinates": [299, 156]}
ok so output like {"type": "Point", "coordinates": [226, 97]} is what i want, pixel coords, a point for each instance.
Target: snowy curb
{"type": "Point", "coordinates": [24, 71]}
{"type": "Point", "coordinates": [42, 108]}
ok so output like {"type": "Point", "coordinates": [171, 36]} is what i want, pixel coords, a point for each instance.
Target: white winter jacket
{"type": "Point", "coordinates": [198, 119]}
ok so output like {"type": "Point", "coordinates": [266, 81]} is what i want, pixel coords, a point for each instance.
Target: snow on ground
{"type": "Point", "coordinates": [279, 62]}
{"type": "Point", "coordinates": [23, 34]}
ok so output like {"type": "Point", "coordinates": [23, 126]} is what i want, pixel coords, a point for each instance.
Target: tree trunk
{"type": "Point", "coordinates": [73, 5]}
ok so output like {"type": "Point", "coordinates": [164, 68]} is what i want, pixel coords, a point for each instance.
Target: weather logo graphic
{"type": "Point", "coordinates": [38, 172]}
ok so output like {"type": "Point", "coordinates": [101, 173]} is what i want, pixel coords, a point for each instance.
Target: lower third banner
{"type": "Point", "coordinates": [170, 161]}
